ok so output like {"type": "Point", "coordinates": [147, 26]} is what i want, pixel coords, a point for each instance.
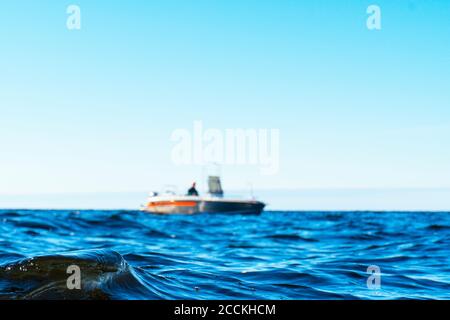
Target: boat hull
{"type": "Point", "coordinates": [193, 206]}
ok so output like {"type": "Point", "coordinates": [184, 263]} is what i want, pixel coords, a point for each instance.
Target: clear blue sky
{"type": "Point", "coordinates": [93, 110]}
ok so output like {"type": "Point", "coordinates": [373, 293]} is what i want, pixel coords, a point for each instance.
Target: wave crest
{"type": "Point", "coordinates": [104, 274]}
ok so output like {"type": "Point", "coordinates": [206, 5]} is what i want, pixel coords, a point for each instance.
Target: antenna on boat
{"type": "Point", "coordinates": [218, 168]}
{"type": "Point", "coordinates": [202, 183]}
{"type": "Point", "coordinates": [252, 196]}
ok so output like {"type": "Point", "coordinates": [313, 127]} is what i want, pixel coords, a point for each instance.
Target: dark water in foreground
{"type": "Point", "coordinates": [277, 255]}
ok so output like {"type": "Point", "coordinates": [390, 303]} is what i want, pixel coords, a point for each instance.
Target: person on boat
{"type": "Point", "coordinates": [192, 191]}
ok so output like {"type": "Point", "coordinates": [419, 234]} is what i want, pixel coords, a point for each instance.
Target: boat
{"type": "Point", "coordinates": [212, 202]}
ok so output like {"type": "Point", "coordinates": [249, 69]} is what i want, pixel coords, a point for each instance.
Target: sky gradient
{"type": "Point", "coordinates": [92, 110]}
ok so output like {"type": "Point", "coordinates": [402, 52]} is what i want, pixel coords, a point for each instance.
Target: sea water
{"type": "Point", "coordinates": [275, 255]}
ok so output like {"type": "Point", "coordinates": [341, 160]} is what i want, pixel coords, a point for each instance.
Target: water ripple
{"type": "Point", "coordinates": [277, 255]}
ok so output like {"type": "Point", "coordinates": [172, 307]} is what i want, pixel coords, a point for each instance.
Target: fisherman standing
{"type": "Point", "coordinates": [192, 191]}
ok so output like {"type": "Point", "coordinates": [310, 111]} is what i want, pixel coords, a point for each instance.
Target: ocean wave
{"type": "Point", "coordinates": [104, 275]}
{"type": "Point", "coordinates": [277, 255]}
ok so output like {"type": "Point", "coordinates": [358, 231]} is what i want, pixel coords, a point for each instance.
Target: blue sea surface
{"type": "Point", "coordinates": [275, 255]}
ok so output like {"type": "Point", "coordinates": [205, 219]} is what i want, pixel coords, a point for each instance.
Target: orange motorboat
{"type": "Point", "coordinates": [213, 202]}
